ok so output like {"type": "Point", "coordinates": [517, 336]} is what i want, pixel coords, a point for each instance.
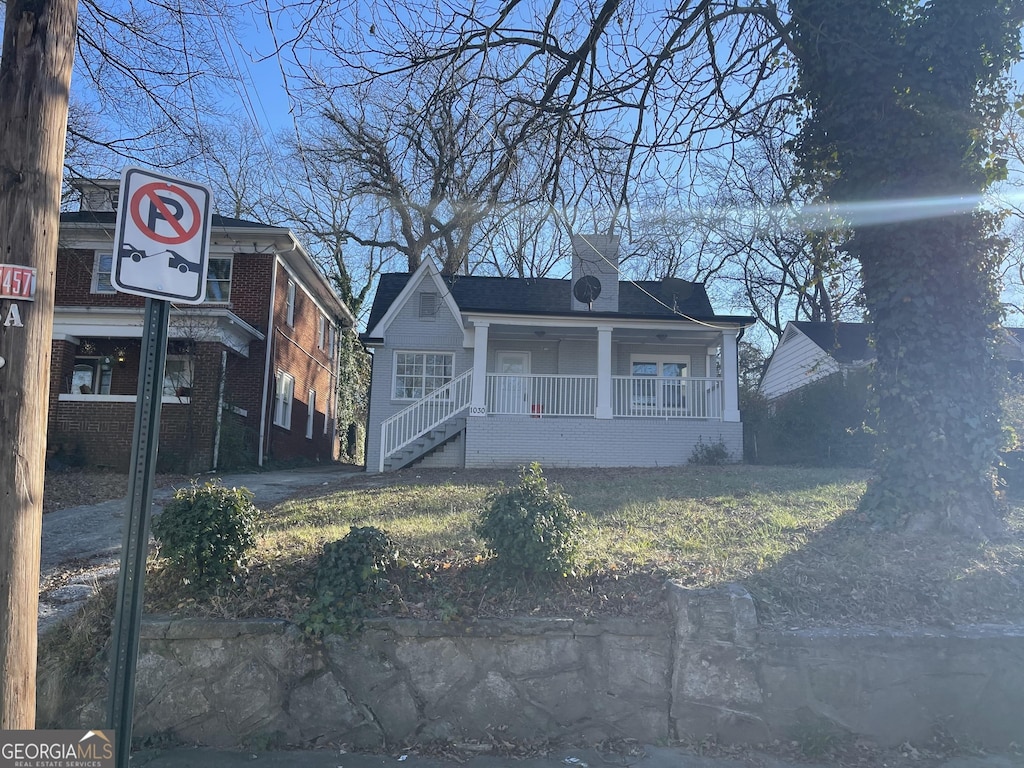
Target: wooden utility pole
{"type": "Point", "coordinates": [35, 75]}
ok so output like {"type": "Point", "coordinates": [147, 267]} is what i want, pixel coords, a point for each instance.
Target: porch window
{"type": "Point", "coordinates": [665, 392]}
{"type": "Point", "coordinates": [178, 376]}
{"type": "Point", "coordinates": [420, 373]}
{"type": "Point", "coordinates": [91, 376]}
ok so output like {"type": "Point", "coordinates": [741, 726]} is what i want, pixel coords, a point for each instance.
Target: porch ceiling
{"type": "Point", "coordinates": [200, 323]}
{"type": "Point", "coordinates": [652, 335]}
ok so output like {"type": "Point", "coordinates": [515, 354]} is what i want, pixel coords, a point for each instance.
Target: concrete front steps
{"type": "Point", "coordinates": [425, 444]}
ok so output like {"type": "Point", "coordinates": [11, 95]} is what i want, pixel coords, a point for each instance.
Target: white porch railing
{"type": "Point", "coordinates": [632, 396]}
{"type": "Point", "coordinates": [541, 394]}
{"type": "Point", "coordinates": [424, 415]}
{"type": "Point", "coordinates": [669, 398]}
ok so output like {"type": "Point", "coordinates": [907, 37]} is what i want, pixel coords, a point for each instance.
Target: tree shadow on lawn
{"type": "Point", "coordinates": [602, 487]}
{"type": "Point", "coordinates": [848, 574]}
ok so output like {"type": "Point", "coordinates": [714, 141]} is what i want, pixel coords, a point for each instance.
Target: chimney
{"type": "Point", "coordinates": [595, 262]}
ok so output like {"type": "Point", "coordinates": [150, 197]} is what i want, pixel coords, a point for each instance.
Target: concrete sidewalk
{"type": "Point", "coordinates": [651, 757]}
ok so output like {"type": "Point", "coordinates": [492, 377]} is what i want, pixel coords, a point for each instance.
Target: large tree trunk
{"type": "Point", "coordinates": [904, 99]}
{"type": "Point", "coordinates": [35, 74]}
{"type": "Point", "coordinates": [931, 297]}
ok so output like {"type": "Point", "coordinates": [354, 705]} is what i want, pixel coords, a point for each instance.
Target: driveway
{"type": "Point", "coordinates": [82, 545]}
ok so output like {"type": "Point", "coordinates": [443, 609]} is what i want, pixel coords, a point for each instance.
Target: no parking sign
{"type": "Point", "coordinates": [162, 237]}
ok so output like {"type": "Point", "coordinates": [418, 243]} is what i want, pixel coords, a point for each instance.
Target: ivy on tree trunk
{"type": "Point", "coordinates": [901, 102]}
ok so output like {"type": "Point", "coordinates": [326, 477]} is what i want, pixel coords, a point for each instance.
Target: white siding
{"type": "Point", "coordinates": [794, 364]}
{"type": "Point", "coordinates": [543, 355]}
{"type": "Point", "coordinates": [408, 332]}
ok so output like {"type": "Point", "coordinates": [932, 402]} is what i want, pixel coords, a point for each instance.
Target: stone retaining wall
{"type": "Point", "coordinates": [709, 670]}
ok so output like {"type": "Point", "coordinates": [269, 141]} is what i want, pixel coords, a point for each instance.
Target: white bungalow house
{"type": "Point", "coordinates": [486, 371]}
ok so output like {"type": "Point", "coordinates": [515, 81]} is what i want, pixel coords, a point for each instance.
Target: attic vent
{"type": "Point", "coordinates": [428, 305]}
{"type": "Point", "coordinates": [790, 333]}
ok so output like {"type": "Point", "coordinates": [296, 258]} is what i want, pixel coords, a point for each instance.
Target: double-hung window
{"type": "Point", "coordinates": [419, 373]}
{"type": "Point", "coordinates": [321, 332]}
{"type": "Point", "coordinates": [102, 267]}
{"type": "Point", "coordinates": [218, 279]}
{"type": "Point", "coordinates": [290, 304]}
{"type": "Point", "coordinates": [310, 413]}
{"type": "Point", "coordinates": [283, 394]}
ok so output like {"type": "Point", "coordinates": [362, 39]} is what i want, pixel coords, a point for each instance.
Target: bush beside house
{"type": "Point", "coordinates": [827, 423]}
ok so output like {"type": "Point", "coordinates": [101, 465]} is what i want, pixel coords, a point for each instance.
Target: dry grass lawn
{"type": "Point", "coordinates": [791, 536]}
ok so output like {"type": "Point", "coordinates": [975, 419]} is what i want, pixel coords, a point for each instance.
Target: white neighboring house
{"type": "Point", "coordinates": [475, 371]}
{"type": "Point", "coordinates": [810, 351]}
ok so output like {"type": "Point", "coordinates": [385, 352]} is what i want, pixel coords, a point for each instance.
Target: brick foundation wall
{"type": "Point", "coordinates": [504, 441]}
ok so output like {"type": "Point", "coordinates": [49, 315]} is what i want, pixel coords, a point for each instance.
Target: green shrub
{"type": "Point", "coordinates": [531, 527]}
{"type": "Point", "coordinates": [827, 423]}
{"type": "Point", "coordinates": [351, 576]}
{"type": "Point", "coordinates": [207, 531]}
{"type": "Point", "coordinates": [709, 454]}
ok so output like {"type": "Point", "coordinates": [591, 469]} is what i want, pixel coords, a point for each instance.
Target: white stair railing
{"type": "Point", "coordinates": [425, 414]}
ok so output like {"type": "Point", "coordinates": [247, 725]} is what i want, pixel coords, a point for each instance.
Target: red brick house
{"type": "Point", "coordinates": [251, 374]}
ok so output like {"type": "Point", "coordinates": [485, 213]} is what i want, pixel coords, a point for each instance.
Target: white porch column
{"type": "Point", "coordinates": [478, 403]}
{"type": "Point", "coordinates": [730, 378]}
{"type": "Point", "coordinates": [604, 372]}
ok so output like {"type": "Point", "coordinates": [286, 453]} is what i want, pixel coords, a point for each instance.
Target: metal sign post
{"type": "Point", "coordinates": [135, 543]}
{"type": "Point", "coordinates": [161, 249]}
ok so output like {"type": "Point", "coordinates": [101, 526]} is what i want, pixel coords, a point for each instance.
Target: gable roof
{"type": "Point", "coordinates": [671, 298]}
{"type": "Point", "coordinates": [846, 342]}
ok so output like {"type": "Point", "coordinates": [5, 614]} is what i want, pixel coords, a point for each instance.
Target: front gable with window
{"type": "Point", "coordinates": [424, 348]}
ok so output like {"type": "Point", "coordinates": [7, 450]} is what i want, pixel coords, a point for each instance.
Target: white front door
{"type": "Point", "coordinates": [513, 369]}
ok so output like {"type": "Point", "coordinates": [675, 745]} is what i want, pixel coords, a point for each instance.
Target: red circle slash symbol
{"type": "Point", "coordinates": [160, 210]}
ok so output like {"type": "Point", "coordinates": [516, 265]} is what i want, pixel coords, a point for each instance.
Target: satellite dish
{"type": "Point", "coordinates": [586, 289]}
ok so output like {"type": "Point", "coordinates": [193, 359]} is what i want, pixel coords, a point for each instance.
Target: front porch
{"type": "Point", "coordinates": [654, 393]}
{"type": "Point", "coordinates": [553, 419]}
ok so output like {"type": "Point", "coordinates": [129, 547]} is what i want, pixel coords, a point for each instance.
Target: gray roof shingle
{"type": "Point", "coordinates": [663, 299]}
{"type": "Point", "coordinates": [846, 342]}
